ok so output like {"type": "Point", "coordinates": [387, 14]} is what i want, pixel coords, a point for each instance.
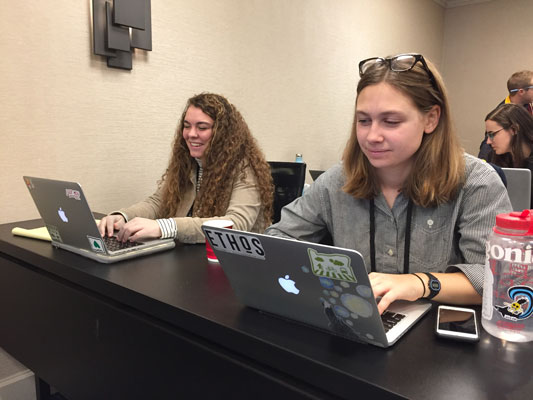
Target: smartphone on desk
{"type": "Point", "coordinates": [457, 323]}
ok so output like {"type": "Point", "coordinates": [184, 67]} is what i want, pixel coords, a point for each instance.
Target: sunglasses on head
{"type": "Point", "coordinates": [399, 63]}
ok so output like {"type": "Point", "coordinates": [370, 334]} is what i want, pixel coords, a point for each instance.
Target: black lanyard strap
{"type": "Point", "coordinates": [407, 243]}
{"type": "Point", "coordinates": [372, 236]}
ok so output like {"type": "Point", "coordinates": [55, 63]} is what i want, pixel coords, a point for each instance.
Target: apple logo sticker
{"type": "Point", "coordinates": [62, 215]}
{"type": "Point", "coordinates": [288, 285]}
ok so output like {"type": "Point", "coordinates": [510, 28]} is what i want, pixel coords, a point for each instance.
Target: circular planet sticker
{"type": "Point", "coordinates": [357, 305]}
{"type": "Point", "coordinates": [326, 283]}
{"type": "Point", "coordinates": [341, 311]}
{"type": "Point", "coordinates": [364, 291]}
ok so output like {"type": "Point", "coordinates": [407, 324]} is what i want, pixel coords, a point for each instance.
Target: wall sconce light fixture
{"type": "Point", "coordinates": [119, 26]}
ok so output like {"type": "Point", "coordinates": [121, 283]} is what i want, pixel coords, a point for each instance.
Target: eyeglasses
{"type": "Point", "coordinates": [399, 63]}
{"type": "Point", "coordinates": [525, 88]}
{"type": "Point", "coordinates": [491, 135]}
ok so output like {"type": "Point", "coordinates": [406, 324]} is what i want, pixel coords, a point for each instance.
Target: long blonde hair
{"type": "Point", "coordinates": [438, 169]}
{"type": "Point", "coordinates": [231, 149]}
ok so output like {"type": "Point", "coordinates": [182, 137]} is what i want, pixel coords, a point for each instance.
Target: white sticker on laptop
{"type": "Point", "coordinates": [236, 243]}
{"type": "Point", "coordinates": [334, 266]}
{"type": "Point", "coordinates": [73, 194]}
{"type": "Point", "coordinates": [97, 244]}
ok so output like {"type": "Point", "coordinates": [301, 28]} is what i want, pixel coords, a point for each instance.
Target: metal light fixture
{"type": "Point", "coordinates": [119, 26]}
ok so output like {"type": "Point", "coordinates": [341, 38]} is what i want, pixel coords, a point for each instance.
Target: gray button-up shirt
{"type": "Point", "coordinates": [446, 238]}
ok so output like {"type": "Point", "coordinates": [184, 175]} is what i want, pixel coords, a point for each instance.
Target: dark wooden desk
{"type": "Point", "coordinates": [168, 326]}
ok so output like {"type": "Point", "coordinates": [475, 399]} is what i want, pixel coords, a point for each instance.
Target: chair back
{"type": "Point", "coordinates": [289, 179]}
{"type": "Point", "coordinates": [315, 173]}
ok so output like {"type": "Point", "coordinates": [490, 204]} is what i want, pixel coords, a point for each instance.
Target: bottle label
{"type": "Point", "coordinates": [507, 291]}
{"type": "Point", "coordinates": [520, 306]}
{"type": "Point", "coordinates": [512, 255]}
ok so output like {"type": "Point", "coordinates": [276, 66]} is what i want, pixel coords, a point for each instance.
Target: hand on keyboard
{"type": "Point", "coordinates": [139, 229]}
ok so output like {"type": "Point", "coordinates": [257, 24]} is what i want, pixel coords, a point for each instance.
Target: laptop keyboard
{"type": "Point", "coordinates": [113, 244]}
{"type": "Point", "coordinates": [390, 319]}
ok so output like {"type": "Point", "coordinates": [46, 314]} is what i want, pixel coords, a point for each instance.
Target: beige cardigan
{"type": "Point", "coordinates": [244, 208]}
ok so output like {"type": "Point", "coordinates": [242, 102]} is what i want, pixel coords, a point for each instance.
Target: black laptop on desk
{"type": "Point", "coordinates": [321, 286]}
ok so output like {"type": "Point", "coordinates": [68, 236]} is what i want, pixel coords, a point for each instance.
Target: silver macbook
{"type": "Point", "coordinates": [71, 224]}
{"type": "Point", "coordinates": [318, 285]}
{"type": "Point", "coordinates": [519, 187]}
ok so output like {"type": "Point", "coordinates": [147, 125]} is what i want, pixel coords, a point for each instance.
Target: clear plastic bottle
{"type": "Point", "coordinates": [508, 287]}
{"type": "Point", "coordinates": [299, 158]}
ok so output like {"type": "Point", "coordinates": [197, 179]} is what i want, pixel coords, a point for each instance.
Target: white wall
{"type": "Point", "coordinates": [484, 44]}
{"type": "Point", "coordinates": [289, 66]}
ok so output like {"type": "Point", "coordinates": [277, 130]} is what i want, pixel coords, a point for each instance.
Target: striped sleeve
{"type": "Point", "coordinates": [484, 197]}
{"type": "Point", "coordinates": [168, 228]}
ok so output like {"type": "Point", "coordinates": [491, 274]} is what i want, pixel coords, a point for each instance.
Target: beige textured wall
{"type": "Point", "coordinates": [483, 45]}
{"type": "Point", "coordinates": [288, 65]}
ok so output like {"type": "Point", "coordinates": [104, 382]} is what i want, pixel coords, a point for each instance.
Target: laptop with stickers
{"type": "Point", "coordinates": [318, 285]}
{"type": "Point", "coordinates": [71, 224]}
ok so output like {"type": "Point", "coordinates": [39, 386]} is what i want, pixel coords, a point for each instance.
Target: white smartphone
{"type": "Point", "coordinates": [457, 323]}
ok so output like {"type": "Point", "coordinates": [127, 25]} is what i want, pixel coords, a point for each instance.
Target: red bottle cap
{"type": "Point", "coordinates": [520, 222]}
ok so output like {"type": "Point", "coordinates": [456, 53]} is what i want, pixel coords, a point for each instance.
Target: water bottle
{"type": "Point", "coordinates": [508, 286]}
{"type": "Point", "coordinates": [299, 158]}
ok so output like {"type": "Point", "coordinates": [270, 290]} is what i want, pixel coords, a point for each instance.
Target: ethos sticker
{"type": "Point", "coordinates": [236, 243]}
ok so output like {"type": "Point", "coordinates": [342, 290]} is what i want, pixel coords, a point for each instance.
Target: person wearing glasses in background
{"type": "Point", "coordinates": [520, 86]}
{"type": "Point", "coordinates": [216, 171]}
{"type": "Point", "coordinates": [509, 132]}
{"type": "Point", "coordinates": [405, 195]}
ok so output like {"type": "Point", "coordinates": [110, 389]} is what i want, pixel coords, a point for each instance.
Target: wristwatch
{"type": "Point", "coordinates": [433, 286]}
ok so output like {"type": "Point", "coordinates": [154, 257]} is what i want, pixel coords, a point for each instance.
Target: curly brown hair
{"type": "Point", "coordinates": [232, 149]}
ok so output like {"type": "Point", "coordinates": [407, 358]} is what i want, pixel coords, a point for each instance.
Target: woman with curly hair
{"type": "Point", "coordinates": [216, 171]}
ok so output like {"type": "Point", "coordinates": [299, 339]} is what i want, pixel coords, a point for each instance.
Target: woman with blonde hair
{"type": "Point", "coordinates": [406, 196]}
{"type": "Point", "coordinates": [216, 171]}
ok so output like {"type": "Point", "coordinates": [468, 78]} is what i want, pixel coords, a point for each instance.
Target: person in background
{"type": "Point", "coordinates": [406, 196]}
{"type": "Point", "coordinates": [509, 132]}
{"type": "Point", "coordinates": [520, 87]}
{"type": "Point", "coordinates": [216, 171]}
